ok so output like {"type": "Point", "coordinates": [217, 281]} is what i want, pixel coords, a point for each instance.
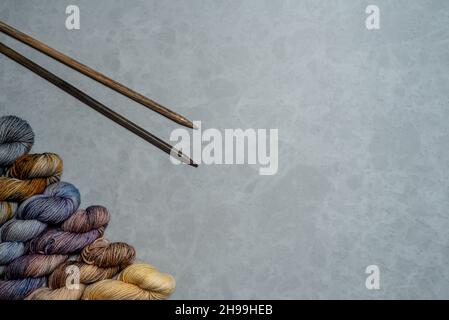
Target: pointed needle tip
{"type": "Point", "coordinates": [193, 164]}
{"type": "Point", "coordinates": [187, 123]}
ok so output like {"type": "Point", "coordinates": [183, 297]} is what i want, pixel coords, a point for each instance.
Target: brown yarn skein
{"type": "Point", "coordinates": [103, 254]}
{"type": "Point", "coordinates": [112, 257]}
{"type": "Point", "coordinates": [29, 175]}
{"type": "Point", "coordinates": [98, 261]}
{"type": "Point", "coordinates": [88, 274]}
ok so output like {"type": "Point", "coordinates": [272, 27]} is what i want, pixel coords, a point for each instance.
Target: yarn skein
{"type": "Point", "coordinates": [58, 202]}
{"type": "Point", "coordinates": [53, 247]}
{"type": "Point", "coordinates": [98, 261]}
{"type": "Point", "coordinates": [33, 266]}
{"type": "Point", "coordinates": [29, 175]}
{"type": "Point", "coordinates": [17, 286]}
{"type": "Point", "coordinates": [7, 211]}
{"type": "Point", "coordinates": [136, 282]}
{"type": "Point", "coordinates": [25, 274]}
{"type": "Point", "coordinates": [78, 231]}
{"type": "Point", "coordinates": [13, 290]}
{"type": "Point", "coordinates": [104, 254]}
{"type": "Point", "coordinates": [57, 294]}
{"type": "Point", "coordinates": [16, 140]}
{"type": "Point", "coordinates": [46, 230]}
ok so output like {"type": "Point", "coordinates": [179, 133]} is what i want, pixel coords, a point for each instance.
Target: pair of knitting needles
{"type": "Point", "coordinates": [91, 102]}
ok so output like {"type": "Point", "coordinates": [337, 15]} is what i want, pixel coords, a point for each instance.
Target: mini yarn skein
{"type": "Point", "coordinates": [69, 240]}
{"type": "Point", "coordinates": [16, 140]}
{"type": "Point", "coordinates": [27, 274]}
{"type": "Point", "coordinates": [76, 234]}
{"type": "Point", "coordinates": [46, 230]}
{"type": "Point", "coordinates": [98, 261]}
{"type": "Point", "coordinates": [57, 204]}
{"type": "Point", "coordinates": [53, 247]}
{"type": "Point", "coordinates": [29, 175]}
{"type": "Point", "coordinates": [104, 254]}
{"type": "Point", "coordinates": [136, 282]}
{"type": "Point", "coordinates": [59, 201]}
{"type": "Point", "coordinates": [33, 266]}
{"type": "Point", "coordinates": [12, 290]}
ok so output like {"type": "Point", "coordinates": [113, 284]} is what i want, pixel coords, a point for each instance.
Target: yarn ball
{"type": "Point", "coordinates": [16, 139]}
{"type": "Point", "coordinates": [19, 289]}
{"type": "Point", "coordinates": [136, 282]}
{"type": "Point", "coordinates": [29, 175]}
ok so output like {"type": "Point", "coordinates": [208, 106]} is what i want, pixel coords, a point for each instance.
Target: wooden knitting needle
{"type": "Point", "coordinates": [95, 75]}
{"type": "Point", "coordinates": [94, 104]}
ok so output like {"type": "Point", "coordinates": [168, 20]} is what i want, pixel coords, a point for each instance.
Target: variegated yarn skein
{"type": "Point", "coordinates": [25, 273]}
{"type": "Point", "coordinates": [54, 246]}
{"type": "Point", "coordinates": [29, 175]}
{"type": "Point", "coordinates": [78, 231]}
{"type": "Point", "coordinates": [59, 201]}
{"type": "Point", "coordinates": [16, 140]}
{"type": "Point", "coordinates": [41, 240]}
{"type": "Point", "coordinates": [98, 261]}
{"type": "Point", "coordinates": [137, 282]}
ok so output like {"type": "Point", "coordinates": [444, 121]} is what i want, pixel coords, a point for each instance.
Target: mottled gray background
{"type": "Point", "coordinates": [363, 137]}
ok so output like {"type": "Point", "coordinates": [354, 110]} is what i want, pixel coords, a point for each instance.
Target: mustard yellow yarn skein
{"type": "Point", "coordinates": [137, 282]}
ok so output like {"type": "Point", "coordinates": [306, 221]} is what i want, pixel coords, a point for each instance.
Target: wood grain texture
{"type": "Point", "coordinates": [95, 75]}
{"type": "Point", "coordinates": [94, 104]}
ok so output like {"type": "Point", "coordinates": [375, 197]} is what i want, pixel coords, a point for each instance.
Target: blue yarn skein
{"type": "Point", "coordinates": [16, 288]}
{"type": "Point", "coordinates": [58, 202]}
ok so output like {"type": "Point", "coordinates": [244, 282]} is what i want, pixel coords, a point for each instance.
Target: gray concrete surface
{"type": "Point", "coordinates": [363, 139]}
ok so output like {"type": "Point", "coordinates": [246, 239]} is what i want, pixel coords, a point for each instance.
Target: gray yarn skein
{"type": "Point", "coordinates": [16, 139]}
{"type": "Point", "coordinates": [59, 201]}
{"type": "Point", "coordinates": [14, 234]}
